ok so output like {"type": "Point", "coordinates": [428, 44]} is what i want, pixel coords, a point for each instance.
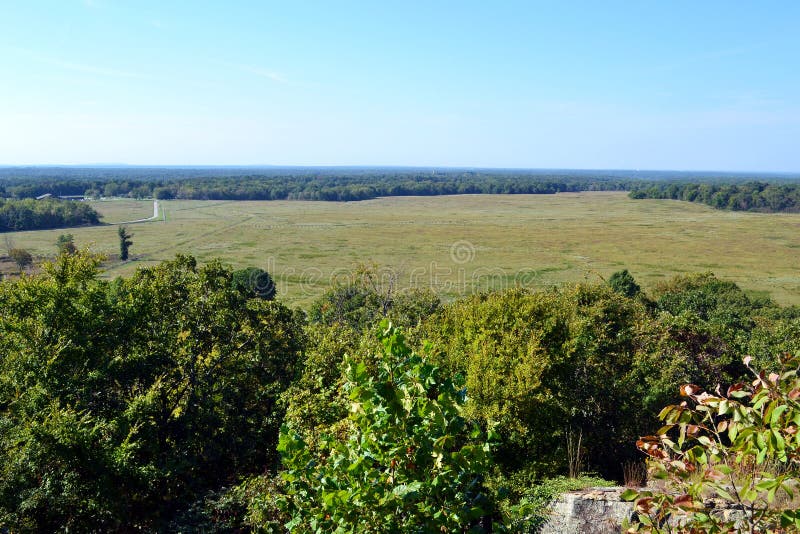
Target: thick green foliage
{"type": "Point", "coordinates": [541, 363]}
{"type": "Point", "coordinates": [700, 330]}
{"type": "Point", "coordinates": [741, 447]}
{"type": "Point", "coordinates": [749, 196]}
{"type": "Point", "coordinates": [155, 402]}
{"type": "Point", "coordinates": [122, 403]}
{"type": "Point", "coordinates": [410, 462]}
{"type": "Point", "coordinates": [623, 282]}
{"type": "Point", "coordinates": [315, 401]}
{"type": "Point", "coordinates": [29, 214]}
{"type": "Point", "coordinates": [254, 282]}
{"type": "Point", "coordinates": [591, 360]}
{"type": "Point", "coordinates": [314, 183]}
{"type": "Point", "coordinates": [370, 295]}
{"type": "Point", "coordinates": [713, 300]}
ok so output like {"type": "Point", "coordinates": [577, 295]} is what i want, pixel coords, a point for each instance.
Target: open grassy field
{"type": "Point", "coordinates": [458, 244]}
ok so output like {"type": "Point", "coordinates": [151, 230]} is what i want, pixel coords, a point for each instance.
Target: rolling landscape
{"type": "Point", "coordinates": [530, 240]}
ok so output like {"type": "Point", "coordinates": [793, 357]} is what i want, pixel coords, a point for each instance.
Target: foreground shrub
{"type": "Point", "coordinates": [369, 295]}
{"type": "Point", "coordinates": [408, 460]}
{"type": "Point", "coordinates": [125, 405]}
{"type": "Point", "coordinates": [543, 364]}
{"type": "Point", "coordinates": [741, 448]}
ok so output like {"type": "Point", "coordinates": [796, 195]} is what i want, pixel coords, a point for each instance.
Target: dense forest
{"type": "Point", "coordinates": [335, 184]}
{"type": "Point", "coordinates": [749, 196]}
{"type": "Point", "coordinates": [189, 398]}
{"type": "Point", "coordinates": [321, 186]}
{"type": "Point", "coordinates": [29, 214]}
{"type": "Point", "coordinates": [720, 190]}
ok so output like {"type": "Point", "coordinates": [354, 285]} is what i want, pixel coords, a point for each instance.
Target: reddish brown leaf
{"type": "Point", "coordinates": [687, 390]}
{"type": "Point", "coordinates": [645, 505]}
{"type": "Point", "coordinates": [684, 501]}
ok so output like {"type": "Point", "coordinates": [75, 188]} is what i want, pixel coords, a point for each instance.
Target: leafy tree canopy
{"type": "Point", "coordinates": [411, 462]}
{"type": "Point", "coordinates": [123, 402]}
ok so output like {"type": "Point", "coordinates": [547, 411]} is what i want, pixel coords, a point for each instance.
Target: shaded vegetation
{"type": "Point", "coordinates": [156, 402]}
{"type": "Point", "coordinates": [29, 214]}
{"type": "Point", "coordinates": [749, 196]}
{"type": "Point", "coordinates": [122, 403]}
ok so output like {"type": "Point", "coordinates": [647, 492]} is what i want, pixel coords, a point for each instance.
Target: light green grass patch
{"type": "Point", "coordinates": [540, 240]}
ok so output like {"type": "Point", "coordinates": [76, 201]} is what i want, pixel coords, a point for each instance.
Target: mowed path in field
{"type": "Point", "coordinates": [459, 244]}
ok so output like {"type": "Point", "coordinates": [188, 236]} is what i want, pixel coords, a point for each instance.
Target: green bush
{"type": "Point", "coordinates": [542, 363]}
{"type": "Point", "coordinates": [410, 461]}
{"type": "Point", "coordinates": [741, 447]}
{"type": "Point", "coordinates": [623, 282]}
{"type": "Point", "coordinates": [370, 295]}
{"type": "Point", "coordinates": [123, 404]}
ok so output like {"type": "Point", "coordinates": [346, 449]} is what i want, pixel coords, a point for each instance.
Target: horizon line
{"type": "Point", "coordinates": [379, 166]}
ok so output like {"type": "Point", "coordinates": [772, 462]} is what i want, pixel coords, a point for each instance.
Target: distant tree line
{"type": "Point", "coordinates": [346, 187]}
{"type": "Point", "coordinates": [749, 196]}
{"type": "Point", "coordinates": [765, 192]}
{"type": "Point", "coordinates": [29, 214]}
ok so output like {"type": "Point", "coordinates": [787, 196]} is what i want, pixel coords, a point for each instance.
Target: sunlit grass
{"type": "Point", "coordinates": [458, 244]}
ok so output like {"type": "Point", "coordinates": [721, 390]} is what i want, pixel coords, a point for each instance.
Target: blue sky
{"type": "Point", "coordinates": [650, 85]}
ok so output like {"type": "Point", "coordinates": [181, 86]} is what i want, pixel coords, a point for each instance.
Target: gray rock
{"type": "Point", "coordinates": [588, 511]}
{"type": "Point", "coordinates": [602, 511]}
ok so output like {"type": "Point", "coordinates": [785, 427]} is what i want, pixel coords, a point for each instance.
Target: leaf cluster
{"type": "Point", "coordinates": [411, 461]}
{"type": "Point", "coordinates": [737, 450]}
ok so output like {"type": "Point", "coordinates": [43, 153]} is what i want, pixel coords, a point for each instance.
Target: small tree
{"type": "Point", "coordinates": [21, 257]}
{"type": "Point", "coordinates": [623, 282]}
{"type": "Point", "coordinates": [411, 462]}
{"type": "Point", "coordinates": [163, 193]}
{"type": "Point", "coordinates": [66, 244]}
{"type": "Point", "coordinates": [124, 242]}
{"type": "Point", "coordinates": [741, 447]}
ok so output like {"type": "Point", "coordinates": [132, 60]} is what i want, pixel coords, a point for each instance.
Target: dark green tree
{"type": "Point", "coordinates": [163, 193]}
{"type": "Point", "coordinates": [254, 282]}
{"type": "Point", "coordinates": [125, 403]}
{"type": "Point", "coordinates": [124, 242]}
{"type": "Point", "coordinates": [623, 282]}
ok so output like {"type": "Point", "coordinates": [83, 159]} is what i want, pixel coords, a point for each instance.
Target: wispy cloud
{"type": "Point", "coordinates": [90, 69]}
{"type": "Point", "coordinates": [272, 75]}
{"type": "Point", "coordinates": [78, 67]}
{"type": "Point", "coordinates": [260, 71]}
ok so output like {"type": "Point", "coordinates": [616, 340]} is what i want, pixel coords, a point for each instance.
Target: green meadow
{"type": "Point", "coordinates": [456, 244]}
